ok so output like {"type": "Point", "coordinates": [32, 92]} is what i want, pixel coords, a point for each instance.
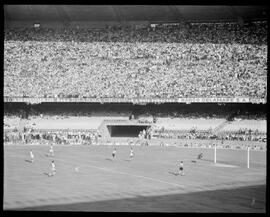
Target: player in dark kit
{"type": "Point", "coordinates": [200, 156]}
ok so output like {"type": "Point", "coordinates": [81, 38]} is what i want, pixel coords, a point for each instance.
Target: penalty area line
{"type": "Point", "coordinates": [130, 174]}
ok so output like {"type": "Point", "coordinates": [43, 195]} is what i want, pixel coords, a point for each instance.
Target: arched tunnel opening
{"type": "Point", "coordinates": [126, 130]}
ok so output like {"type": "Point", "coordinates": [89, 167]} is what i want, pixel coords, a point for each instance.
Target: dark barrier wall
{"type": "Point", "coordinates": [125, 130]}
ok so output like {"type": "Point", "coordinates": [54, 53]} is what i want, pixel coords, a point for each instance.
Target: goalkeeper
{"type": "Point", "coordinates": [200, 156]}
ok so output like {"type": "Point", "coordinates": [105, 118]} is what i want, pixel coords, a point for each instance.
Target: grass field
{"type": "Point", "coordinates": [146, 184]}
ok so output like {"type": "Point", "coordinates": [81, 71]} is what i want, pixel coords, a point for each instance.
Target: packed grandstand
{"type": "Point", "coordinates": [197, 60]}
{"type": "Point", "coordinates": [194, 60]}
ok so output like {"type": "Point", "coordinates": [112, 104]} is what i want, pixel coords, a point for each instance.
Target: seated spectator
{"type": "Point", "coordinates": [203, 60]}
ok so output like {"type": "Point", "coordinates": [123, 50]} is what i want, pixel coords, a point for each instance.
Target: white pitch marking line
{"type": "Point", "coordinates": [109, 183]}
{"type": "Point", "coordinates": [124, 173]}
{"type": "Point", "coordinates": [225, 165]}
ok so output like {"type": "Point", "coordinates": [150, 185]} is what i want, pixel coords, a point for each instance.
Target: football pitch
{"type": "Point", "coordinates": [88, 179]}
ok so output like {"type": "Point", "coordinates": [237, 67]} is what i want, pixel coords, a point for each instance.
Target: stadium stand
{"type": "Point", "coordinates": [187, 60]}
{"type": "Point", "coordinates": [84, 85]}
{"type": "Point", "coordinates": [199, 60]}
{"type": "Point", "coordinates": [184, 122]}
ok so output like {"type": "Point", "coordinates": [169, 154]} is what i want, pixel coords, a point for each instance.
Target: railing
{"type": "Point", "coordinates": [136, 100]}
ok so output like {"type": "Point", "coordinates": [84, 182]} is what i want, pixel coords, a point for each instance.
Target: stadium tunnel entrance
{"type": "Point", "coordinates": [126, 130]}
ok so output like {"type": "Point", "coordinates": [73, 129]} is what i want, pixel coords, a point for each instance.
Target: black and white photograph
{"type": "Point", "coordinates": [135, 108]}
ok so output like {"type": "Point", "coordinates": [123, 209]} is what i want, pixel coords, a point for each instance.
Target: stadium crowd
{"type": "Point", "coordinates": [188, 139]}
{"type": "Point", "coordinates": [57, 137]}
{"type": "Point", "coordinates": [238, 135]}
{"type": "Point", "coordinates": [195, 60]}
{"type": "Point", "coordinates": [91, 137]}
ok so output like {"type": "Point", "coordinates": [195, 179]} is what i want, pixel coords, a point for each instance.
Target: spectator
{"type": "Point", "coordinates": [204, 60]}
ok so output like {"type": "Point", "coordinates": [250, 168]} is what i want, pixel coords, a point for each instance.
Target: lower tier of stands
{"type": "Point", "coordinates": [83, 122]}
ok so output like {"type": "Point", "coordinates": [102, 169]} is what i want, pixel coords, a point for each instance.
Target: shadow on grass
{"type": "Point", "coordinates": [28, 161]}
{"type": "Point", "coordinates": [48, 155]}
{"type": "Point", "coordinates": [207, 160]}
{"type": "Point", "coordinates": [48, 174]}
{"type": "Point", "coordinates": [173, 173]}
{"type": "Point", "coordinates": [242, 199]}
{"type": "Point", "coordinates": [219, 161]}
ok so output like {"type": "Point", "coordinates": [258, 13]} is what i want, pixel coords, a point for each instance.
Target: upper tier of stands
{"type": "Point", "coordinates": [197, 60]}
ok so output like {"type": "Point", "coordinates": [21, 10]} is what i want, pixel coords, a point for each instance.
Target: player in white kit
{"type": "Point", "coordinates": [53, 169]}
{"type": "Point", "coordinates": [31, 156]}
{"type": "Point", "coordinates": [131, 154]}
{"type": "Point", "coordinates": [51, 151]}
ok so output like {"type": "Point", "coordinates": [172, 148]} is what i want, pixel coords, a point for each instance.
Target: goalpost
{"type": "Point", "coordinates": [248, 157]}
{"type": "Point", "coordinates": [215, 155]}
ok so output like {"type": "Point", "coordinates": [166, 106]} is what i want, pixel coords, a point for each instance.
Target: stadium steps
{"type": "Point", "coordinates": [187, 123]}
{"type": "Point", "coordinates": [228, 121]}
{"type": "Point", "coordinates": [260, 125]}
{"type": "Point", "coordinates": [221, 126]}
{"type": "Point", "coordinates": [103, 130]}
